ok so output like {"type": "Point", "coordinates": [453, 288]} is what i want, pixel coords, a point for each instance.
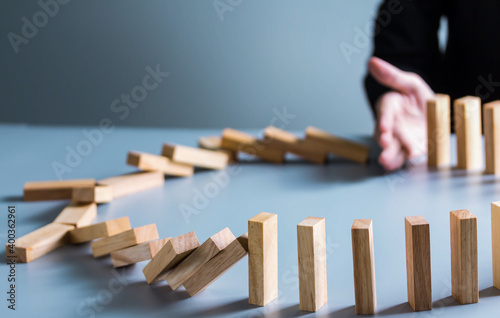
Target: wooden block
{"type": "Point", "coordinates": [464, 261]}
{"type": "Point", "coordinates": [495, 236]}
{"type": "Point", "coordinates": [77, 215]}
{"type": "Point", "coordinates": [244, 241]}
{"type": "Point", "coordinates": [39, 242]}
{"type": "Point", "coordinates": [418, 263]}
{"type": "Point", "coordinates": [53, 190]}
{"type": "Point", "coordinates": [491, 113]}
{"type": "Point", "coordinates": [364, 267]}
{"type": "Point", "coordinates": [241, 142]}
{"type": "Point", "coordinates": [311, 246]}
{"type": "Point", "coordinates": [214, 143]}
{"type": "Point", "coordinates": [169, 256]}
{"type": "Point", "coordinates": [285, 141]}
{"type": "Point", "coordinates": [125, 239]}
{"type": "Point", "coordinates": [468, 132]}
{"type": "Point", "coordinates": [149, 162]}
{"type": "Point", "coordinates": [263, 258]}
{"type": "Point", "coordinates": [438, 131]}
{"type": "Point", "coordinates": [196, 260]}
{"type": "Point", "coordinates": [137, 253]}
{"type": "Point", "coordinates": [133, 182]}
{"type": "Point", "coordinates": [97, 194]}
{"type": "Point", "coordinates": [340, 147]}
{"type": "Point", "coordinates": [99, 230]}
{"type": "Point", "coordinates": [215, 268]}
{"type": "Point", "coordinates": [197, 157]}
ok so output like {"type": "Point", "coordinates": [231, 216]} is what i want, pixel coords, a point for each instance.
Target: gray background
{"type": "Point", "coordinates": [263, 56]}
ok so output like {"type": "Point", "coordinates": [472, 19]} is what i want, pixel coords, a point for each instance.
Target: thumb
{"type": "Point", "coordinates": [391, 76]}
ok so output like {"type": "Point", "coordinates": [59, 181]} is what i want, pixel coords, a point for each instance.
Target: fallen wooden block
{"type": "Point", "coordinates": [464, 261]}
{"type": "Point", "coordinates": [214, 143]}
{"type": "Point", "coordinates": [197, 157]}
{"type": "Point", "coordinates": [468, 132]}
{"type": "Point", "coordinates": [495, 238]}
{"type": "Point", "coordinates": [285, 141]}
{"type": "Point", "coordinates": [311, 247]}
{"type": "Point", "coordinates": [169, 256]}
{"type": "Point", "coordinates": [133, 182]}
{"type": "Point", "coordinates": [53, 190]}
{"type": "Point", "coordinates": [39, 242]}
{"type": "Point", "coordinates": [340, 147]}
{"type": "Point", "coordinates": [438, 131]}
{"type": "Point", "coordinates": [418, 263]}
{"type": "Point", "coordinates": [97, 194]}
{"type": "Point", "coordinates": [77, 215]}
{"type": "Point", "coordinates": [137, 253]}
{"type": "Point", "coordinates": [99, 230]}
{"type": "Point", "coordinates": [244, 241]}
{"type": "Point", "coordinates": [149, 162]}
{"type": "Point", "coordinates": [263, 258]}
{"type": "Point", "coordinates": [241, 142]}
{"type": "Point", "coordinates": [198, 258]}
{"type": "Point", "coordinates": [491, 113]}
{"type": "Point", "coordinates": [215, 268]}
{"type": "Point", "coordinates": [125, 239]}
{"type": "Point", "coordinates": [364, 267]}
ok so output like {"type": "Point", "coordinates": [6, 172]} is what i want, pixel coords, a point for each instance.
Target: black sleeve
{"type": "Point", "coordinates": [406, 35]}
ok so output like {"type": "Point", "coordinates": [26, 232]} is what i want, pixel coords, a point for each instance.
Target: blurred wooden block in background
{"type": "Point", "coordinates": [99, 230]}
{"type": "Point", "coordinates": [97, 194]}
{"type": "Point", "coordinates": [242, 142]}
{"type": "Point", "coordinates": [491, 114]}
{"type": "Point", "coordinates": [438, 131]}
{"type": "Point", "coordinates": [137, 253]}
{"type": "Point", "coordinates": [77, 215]}
{"type": "Point", "coordinates": [54, 190]}
{"type": "Point", "coordinates": [495, 237]}
{"type": "Point", "coordinates": [197, 157]}
{"type": "Point", "coordinates": [468, 133]}
{"type": "Point", "coordinates": [125, 239]}
{"type": "Point", "coordinates": [133, 182]}
{"type": "Point", "coordinates": [150, 162]}
{"type": "Point", "coordinates": [214, 143]}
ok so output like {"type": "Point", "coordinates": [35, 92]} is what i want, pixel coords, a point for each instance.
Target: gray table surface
{"type": "Point", "coordinates": [70, 282]}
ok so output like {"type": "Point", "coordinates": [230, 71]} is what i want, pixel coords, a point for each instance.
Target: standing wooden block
{"type": "Point", "coordinates": [99, 230]}
{"type": "Point", "coordinates": [464, 261]}
{"type": "Point", "coordinates": [39, 242]}
{"type": "Point", "coordinates": [215, 268]}
{"type": "Point", "coordinates": [97, 194]}
{"type": "Point", "coordinates": [241, 142]}
{"type": "Point", "coordinates": [214, 143]}
{"type": "Point", "coordinates": [77, 215]}
{"type": "Point", "coordinates": [364, 267]}
{"type": "Point", "coordinates": [418, 263]}
{"type": "Point", "coordinates": [263, 258]}
{"type": "Point", "coordinates": [169, 256]}
{"type": "Point", "coordinates": [125, 239]}
{"type": "Point", "coordinates": [197, 157]}
{"type": "Point", "coordinates": [53, 190]}
{"type": "Point", "coordinates": [285, 141]}
{"type": "Point", "coordinates": [341, 147]}
{"type": "Point", "coordinates": [149, 162]}
{"type": "Point", "coordinates": [311, 245]}
{"type": "Point", "coordinates": [468, 132]}
{"type": "Point", "coordinates": [133, 182]}
{"type": "Point", "coordinates": [495, 236]}
{"type": "Point", "coordinates": [491, 113]}
{"type": "Point", "coordinates": [196, 260]}
{"type": "Point", "coordinates": [438, 131]}
{"type": "Point", "coordinates": [137, 253]}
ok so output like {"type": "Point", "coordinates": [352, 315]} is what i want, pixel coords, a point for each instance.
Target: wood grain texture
{"type": "Point", "coordinates": [288, 142]}
{"type": "Point", "coordinates": [214, 143]}
{"type": "Point", "coordinates": [97, 194]}
{"type": "Point", "coordinates": [77, 215]}
{"type": "Point", "coordinates": [215, 268]}
{"type": "Point", "coordinates": [39, 242]}
{"type": "Point", "coordinates": [311, 247]}
{"type": "Point", "coordinates": [134, 182]}
{"type": "Point", "coordinates": [197, 157]}
{"type": "Point", "coordinates": [53, 190]}
{"type": "Point", "coordinates": [468, 133]}
{"type": "Point", "coordinates": [137, 253]}
{"type": "Point", "coordinates": [125, 239]}
{"type": "Point", "coordinates": [438, 131]}
{"type": "Point", "coordinates": [364, 267]}
{"type": "Point", "coordinates": [196, 260]}
{"type": "Point", "coordinates": [242, 142]}
{"type": "Point", "coordinates": [340, 147]}
{"type": "Point", "coordinates": [244, 241]}
{"type": "Point", "coordinates": [418, 263]}
{"type": "Point", "coordinates": [263, 258]}
{"type": "Point", "coordinates": [99, 230]}
{"type": "Point", "coordinates": [169, 256]}
{"type": "Point", "coordinates": [495, 237]}
{"type": "Point", "coordinates": [491, 120]}
{"type": "Point", "coordinates": [464, 260]}
{"type": "Point", "coordinates": [150, 162]}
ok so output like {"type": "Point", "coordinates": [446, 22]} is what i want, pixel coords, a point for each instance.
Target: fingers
{"type": "Point", "coordinates": [386, 113]}
{"type": "Point", "coordinates": [393, 156]}
{"type": "Point", "coordinates": [394, 78]}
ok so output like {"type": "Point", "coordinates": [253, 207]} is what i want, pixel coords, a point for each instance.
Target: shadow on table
{"type": "Point", "coordinates": [489, 292]}
{"type": "Point", "coordinates": [228, 308]}
{"type": "Point", "coordinates": [12, 198]}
